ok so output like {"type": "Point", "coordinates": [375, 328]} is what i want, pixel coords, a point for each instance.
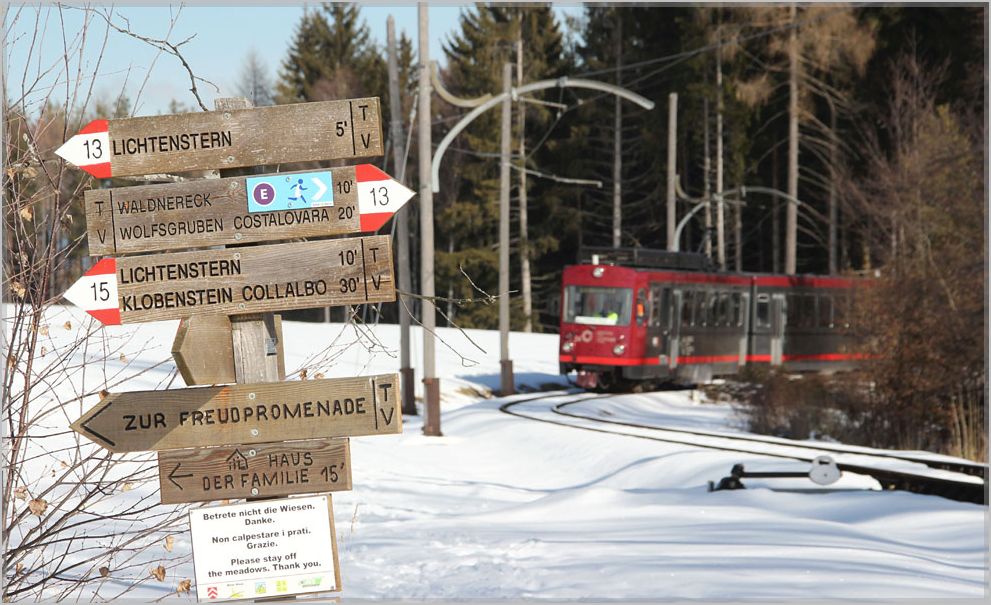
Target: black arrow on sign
{"type": "Point", "coordinates": [93, 431]}
{"type": "Point", "coordinates": [172, 474]}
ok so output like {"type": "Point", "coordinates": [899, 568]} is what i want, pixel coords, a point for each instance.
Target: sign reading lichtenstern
{"type": "Point", "coordinates": [264, 549]}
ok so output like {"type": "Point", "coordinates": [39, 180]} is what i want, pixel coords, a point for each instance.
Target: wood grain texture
{"type": "Point", "coordinates": [232, 138]}
{"type": "Point", "coordinates": [256, 354]}
{"type": "Point", "coordinates": [254, 471]}
{"type": "Point", "coordinates": [208, 212]}
{"type": "Point", "coordinates": [141, 421]}
{"type": "Point", "coordinates": [204, 354]}
{"type": "Point", "coordinates": [255, 279]}
{"type": "Point", "coordinates": [202, 350]}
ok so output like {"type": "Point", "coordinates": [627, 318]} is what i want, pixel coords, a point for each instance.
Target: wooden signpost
{"type": "Point", "coordinates": [254, 471]}
{"type": "Point", "coordinates": [240, 210]}
{"type": "Point", "coordinates": [253, 279]}
{"type": "Point", "coordinates": [261, 437]}
{"type": "Point", "coordinates": [140, 421]}
{"type": "Point", "coordinates": [229, 138]}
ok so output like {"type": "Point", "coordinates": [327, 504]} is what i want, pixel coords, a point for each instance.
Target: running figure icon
{"type": "Point", "coordinates": [297, 191]}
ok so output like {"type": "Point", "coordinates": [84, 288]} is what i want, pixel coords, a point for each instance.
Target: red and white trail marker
{"type": "Point", "coordinates": [96, 292]}
{"type": "Point", "coordinates": [90, 149]}
{"type": "Point", "coordinates": [379, 196]}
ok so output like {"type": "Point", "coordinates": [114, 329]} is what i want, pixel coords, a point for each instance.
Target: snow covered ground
{"type": "Point", "coordinates": [502, 506]}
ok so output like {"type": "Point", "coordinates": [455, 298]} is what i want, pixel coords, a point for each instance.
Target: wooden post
{"type": "Point", "coordinates": [431, 384]}
{"type": "Point", "coordinates": [506, 364]}
{"type": "Point", "coordinates": [402, 228]}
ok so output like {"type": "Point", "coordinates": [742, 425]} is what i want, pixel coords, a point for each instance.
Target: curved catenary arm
{"type": "Point", "coordinates": [522, 90]}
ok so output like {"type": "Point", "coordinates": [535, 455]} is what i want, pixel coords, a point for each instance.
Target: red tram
{"type": "Point", "coordinates": [635, 315]}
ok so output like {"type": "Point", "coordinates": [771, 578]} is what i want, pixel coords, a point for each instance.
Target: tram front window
{"type": "Point", "coordinates": [598, 306]}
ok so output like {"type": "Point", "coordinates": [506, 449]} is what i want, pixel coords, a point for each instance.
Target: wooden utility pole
{"type": "Point", "coordinates": [506, 382]}
{"type": "Point", "coordinates": [431, 384]}
{"type": "Point", "coordinates": [672, 168]}
{"type": "Point", "coordinates": [617, 149]}
{"type": "Point", "coordinates": [791, 215]}
{"type": "Point", "coordinates": [402, 227]}
{"type": "Point", "coordinates": [525, 289]}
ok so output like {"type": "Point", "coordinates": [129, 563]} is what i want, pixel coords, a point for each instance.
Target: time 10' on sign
{"type": "Point", "coordinates": [261, 549]}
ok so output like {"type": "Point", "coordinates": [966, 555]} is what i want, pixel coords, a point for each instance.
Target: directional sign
{"type": "Point", "coordinates": [254, 471]}
{"type": "Point", "coordinates": [244, 414]}
{"type": "Point", "coordinates": [250, 279]}
{"type": "Point", "coordinates": [327, 130]}
{"type": "Point", "coordinates": [238, 210]}
{"type": "Point", "coordinates": [274, 548]}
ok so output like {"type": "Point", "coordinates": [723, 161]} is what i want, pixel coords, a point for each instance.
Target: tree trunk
{"type": "Point", "coordinates": [775, 216]}
{"type": "Point", "coordinates": [617, 167]}
{"type": "Point", "coordinates": [720, 206]}
{"type": "Point", "coordinates": [707, 184]}
{"type": "Point", "coordinates": [791, 217]}
{"type": "Point", "coordinates": [832, 187]}
{"type": "Point", "coordinates": [524, 238]}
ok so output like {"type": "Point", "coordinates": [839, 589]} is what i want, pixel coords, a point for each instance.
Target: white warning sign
{"type": "Point", "coordinates": [264, 549]}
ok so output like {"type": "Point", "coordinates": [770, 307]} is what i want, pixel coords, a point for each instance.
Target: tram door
{"type": "Point", "coordinates": [674, 336]}
{"type": "Point", "coordinates": [779, 319]}
{"type": "Point", "coordinates": [743, 320]}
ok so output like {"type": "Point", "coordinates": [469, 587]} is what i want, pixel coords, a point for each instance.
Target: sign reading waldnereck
{"type": "Point", "coordinates": [239, 210]}
{"type": "Point", "coordinates": [231, 138]}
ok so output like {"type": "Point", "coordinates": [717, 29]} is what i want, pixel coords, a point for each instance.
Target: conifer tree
{"type": "Point", "coordinates": [468, 209]}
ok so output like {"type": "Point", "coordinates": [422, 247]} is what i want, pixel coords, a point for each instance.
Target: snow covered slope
{"type": "Point", "coordinates": [506, 507]}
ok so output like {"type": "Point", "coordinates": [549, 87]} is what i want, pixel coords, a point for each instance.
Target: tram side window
{"type": "Point", "coordinates": [687, 308]}
{"type": "Point", "coordinates": [659, 302]}
{"type": "Point", "coordinates": [702, 307]}
{"type": "Point", "coordinates": [763, 311]}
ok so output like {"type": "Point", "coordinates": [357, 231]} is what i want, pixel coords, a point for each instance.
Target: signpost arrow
{"type": "Point", "coordinates": [173, 476]}
{"type": "Point", "coordinates": [379, 196]}
{"type": "Point", "coordinates": [250, 279]}
{"type": "Point", "coordinates": [254, 471]}
{"type": "Point", "coordinates": [141, 421]}
{"type": "Point", "coordinates": [239, 210]}
{"type": "Point", "coordinates": [327, 130]}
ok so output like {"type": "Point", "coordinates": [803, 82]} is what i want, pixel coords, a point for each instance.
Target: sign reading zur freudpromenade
{"type": "Point", "coordinates": [140, 421]}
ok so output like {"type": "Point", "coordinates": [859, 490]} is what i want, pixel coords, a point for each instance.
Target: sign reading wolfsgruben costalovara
{"type": "Point", "coordinates": [249, 279]}
{"type": "Point", "coordinates": [227, 139]}
{"type": "Point", "coordinates": [239, 210]}
{"type": "Point", "coordinates": [265, 549]}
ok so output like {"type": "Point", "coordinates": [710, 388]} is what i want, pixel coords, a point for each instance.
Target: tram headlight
{"type": "Point", "coordinates": [619, 349]}
{"type": "Point", "coordinates": [568, 347]}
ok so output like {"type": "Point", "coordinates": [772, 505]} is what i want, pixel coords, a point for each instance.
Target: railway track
{"type": "Point", "coordinates": [958, 480]}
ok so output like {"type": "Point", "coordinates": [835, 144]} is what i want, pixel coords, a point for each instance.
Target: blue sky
{"type": "Point", "coordinates": [223, 36]}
